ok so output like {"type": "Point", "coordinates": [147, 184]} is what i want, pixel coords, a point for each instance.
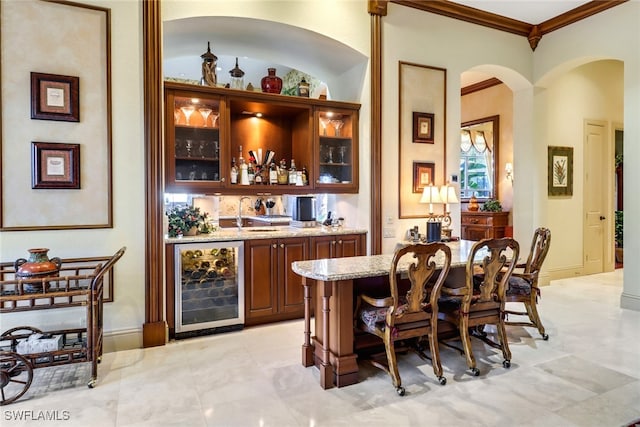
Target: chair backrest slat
{"type": "Point", "coordinates": [539, 249]}
{"type": "Point", "coordinates": [497, 269]}
{"type": "Point", "coordinates": [424, 290]}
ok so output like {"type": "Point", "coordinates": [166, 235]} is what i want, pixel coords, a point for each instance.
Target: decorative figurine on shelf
{"type": "Point", "coordinates": [303, 88]}
{"type": "Point", "coordinates": [237, 77]}
{"type": "Point", "coordinates": [209, 63]}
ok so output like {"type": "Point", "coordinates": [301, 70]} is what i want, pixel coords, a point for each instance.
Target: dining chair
{"type": "Point", "coordinates": [410, 313]}
{"type": "Point", "coordinates": [523, 284]}
{"type": "Point", "coordinates": [481, 300]}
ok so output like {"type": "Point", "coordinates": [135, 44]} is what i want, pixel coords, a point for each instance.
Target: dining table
{"type": "Point", "coordinates": [330, 289]}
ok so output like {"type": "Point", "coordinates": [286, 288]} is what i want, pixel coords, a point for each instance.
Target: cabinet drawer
{"type": "Point", "coordinates": [475, 220]}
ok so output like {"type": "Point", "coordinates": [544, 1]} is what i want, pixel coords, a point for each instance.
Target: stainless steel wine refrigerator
{"type": "Point", "coordinates": [209, 286]}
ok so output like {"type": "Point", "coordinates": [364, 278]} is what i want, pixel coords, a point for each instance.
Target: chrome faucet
{"type": "Point", "coordinates": [239, 218]}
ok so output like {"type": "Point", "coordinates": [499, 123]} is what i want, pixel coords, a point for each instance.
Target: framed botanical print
{"type": "Point", "coordinates": [560, 171]}
{"type": "Point", "coordinates": [55, 166]}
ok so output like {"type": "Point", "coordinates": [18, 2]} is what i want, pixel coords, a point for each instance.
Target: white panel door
{"type": "Point", "coordinates": [594, 197]}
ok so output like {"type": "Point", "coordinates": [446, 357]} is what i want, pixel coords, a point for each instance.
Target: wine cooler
{"type": "Point", "coordinates": [209, 288]}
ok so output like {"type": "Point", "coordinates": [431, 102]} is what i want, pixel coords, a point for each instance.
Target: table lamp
{"type": "Point", "coordinates": [448, 196]}
{"type": "Point", "coordinates": [431, 195]}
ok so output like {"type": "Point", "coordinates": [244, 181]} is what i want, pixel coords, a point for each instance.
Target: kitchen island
{"type": "Point", "coordinates": [336, 282]}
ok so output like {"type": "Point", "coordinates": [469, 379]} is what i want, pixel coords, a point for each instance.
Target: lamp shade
{"type": "Point", "coordinates": [431, 194]}
{"type": "Point", "coordinates": [448, 194]}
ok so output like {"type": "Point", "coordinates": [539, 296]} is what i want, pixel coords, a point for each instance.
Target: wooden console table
{"type": "Point", "coordinates": [483, 225]}
{"type": "Point", "coordinates": [334, 281]}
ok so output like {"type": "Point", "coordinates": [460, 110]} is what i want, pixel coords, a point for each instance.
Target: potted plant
{"type": "Point", "coordinates": [185, 220]}
{"type": "Point", "coordinates": [619, 235]}
{"type": "Point", "coordinates": [491, 206]}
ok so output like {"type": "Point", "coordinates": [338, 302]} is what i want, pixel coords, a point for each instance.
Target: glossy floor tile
{"type": "Point", "coordinates": [587, 374]}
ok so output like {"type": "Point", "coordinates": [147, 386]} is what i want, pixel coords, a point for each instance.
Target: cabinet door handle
{"type": "Point", "coordinates": [274, 246]}
{"type": "Point", "coordinates": [474, 221]}
{"type": "Point", "coordinates": [339, 242]}
{"type": "Point", "coordinates": [223, 179]}
{"type": "Point", "coordinates": [282, 245]}
{"type": "Point", "coordinates": [333, 242]}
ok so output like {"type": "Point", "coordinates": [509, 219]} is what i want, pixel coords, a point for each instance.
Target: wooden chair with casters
{"type": "Point", "coordinates": [523, 284]}
{"type": "Point", "coordinates": [481, 300]}
{"type": "Point", "coordinates": [408, 315]}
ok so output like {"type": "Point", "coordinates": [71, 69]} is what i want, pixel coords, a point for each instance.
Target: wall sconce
{"type": "Point", "coordinates": [508, 168]}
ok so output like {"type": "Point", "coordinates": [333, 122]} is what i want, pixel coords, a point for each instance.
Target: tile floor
{"type": "Point", "coordinates": [587, 374]}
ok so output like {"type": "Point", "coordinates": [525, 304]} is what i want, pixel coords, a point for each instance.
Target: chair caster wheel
{"type": "Point", "coordinates": [91, 383]}
{"type": "Point", "coordinates": [475, 372]}
{"type": "Point", "coordinates": [545, 337]}
{"type": "Point", "coordinates": [400, 391]}
{"type": "Point", "coordinates": [506, 364]}
{"type": "Point", "coordinates": [442, 380]}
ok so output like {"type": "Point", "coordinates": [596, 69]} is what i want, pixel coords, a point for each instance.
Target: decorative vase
{"type": "Point", "coordinates": [271, 83]}
{"type": "Point", "coordinates": [473, 204]}
{"type": "Point", "coordinates": [36, 267]}
{"type": "Point", "coordinates": [193, 231]}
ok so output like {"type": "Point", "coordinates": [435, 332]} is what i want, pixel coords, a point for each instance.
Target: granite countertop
{"type": "Point", "coordinates": [373, 265]}
{"type": "Point", "coordinates": [267, 232]}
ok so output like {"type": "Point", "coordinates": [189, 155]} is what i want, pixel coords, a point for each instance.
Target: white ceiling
{"type": "Point", "coordinates": [529, 11]}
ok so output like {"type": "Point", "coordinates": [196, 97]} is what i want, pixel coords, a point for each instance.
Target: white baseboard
{"type": "Point", "coordinates": [631, 302]}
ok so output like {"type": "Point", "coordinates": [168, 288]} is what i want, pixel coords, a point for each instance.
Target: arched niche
{"type": "Point", "coordinates": [260, 44]}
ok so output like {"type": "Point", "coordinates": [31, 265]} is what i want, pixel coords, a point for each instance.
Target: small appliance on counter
{"type": "Point", "coordinates": [302, 210]}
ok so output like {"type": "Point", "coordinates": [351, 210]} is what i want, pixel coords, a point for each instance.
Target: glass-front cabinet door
{"type": "Point", "coordinates": [193, 142]}
{"type": "Point", "coordinates": [337, 149]}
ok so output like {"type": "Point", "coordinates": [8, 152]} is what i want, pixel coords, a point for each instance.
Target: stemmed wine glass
{"type": "Point", "coordinates": [189, 147]}
{"type": "Point", "coordinates": [337, 125]}
{"type": "Point", "coordinates": [188, 110]}
{"type": "Point", "coordinates": [205, 114]}
{"type": "Point", "coordinates": [341, 152]}
{"type": "Point", "coordinates": [324, 121]}
{"type": "Point", "coordinates": [214, 119]}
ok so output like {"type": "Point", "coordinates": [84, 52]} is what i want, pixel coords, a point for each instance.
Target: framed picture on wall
{"type": "Point", "coordinates": [55, 97]}
{"type": "Point", "coordinates": [560, 171]}
{"type": "Point", "coordinates": [55, 166]}
{"type": "Point", "coordinates": [423, 175]}
{"type": "Point", "coordinates": [423, 128]}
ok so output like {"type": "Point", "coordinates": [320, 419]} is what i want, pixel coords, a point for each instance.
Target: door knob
{"type": "Point", "coordinates": [602, 218]}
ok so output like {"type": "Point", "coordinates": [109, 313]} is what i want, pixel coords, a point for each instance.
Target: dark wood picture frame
{"type": "Point", "coordinates": [55, 166]}
{"type": "Point", "coordinates": [423, 128]}
{"type": "Point", "coordinates": [560, 171]}
{"type": "Point", "coordinates": [422, 170]}
{"type": "Point", "coordinates": [55, 97]}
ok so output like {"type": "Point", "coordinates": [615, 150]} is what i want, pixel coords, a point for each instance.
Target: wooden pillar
{"type": "Point", "coordinates": [154, 328]}
{"type": "Point", "coordinates": [377, 9]}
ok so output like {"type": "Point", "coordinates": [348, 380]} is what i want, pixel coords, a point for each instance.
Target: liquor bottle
{"type": "Point", "coordinates": [244, 172]}
{"type": "Point", "coordinates": [258, 175]}
{"type": "Point", "coordinates": [273, 174]}
{"type": "Point", "coordinates": [305, 176]}
{"type": "Point", "coordinates": [251, 173]}
{"type": "Point", "coordinates": [292, 173]}
{"type": "Point", "coordinates": [234, 171]}
{"type": "Point", "coordinates": [283, 174]}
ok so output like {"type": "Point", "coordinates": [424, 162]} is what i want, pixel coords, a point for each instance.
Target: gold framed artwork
{"type": "Point", "coordinates": [422, 175]}
{"type": "Point", "coordinates": [55, 97]}
{"type": "Point", "coordinates": [421, 126]}
{"type": "Point", "coordinates": [560, 171]}
{"type": "Point", "coordinates": [55, 166]}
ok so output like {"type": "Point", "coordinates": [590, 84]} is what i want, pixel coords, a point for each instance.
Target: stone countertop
{"type": "Point", "coordinates": [267, 232]}
{"type": "Point", "coordinates": [373, 265]}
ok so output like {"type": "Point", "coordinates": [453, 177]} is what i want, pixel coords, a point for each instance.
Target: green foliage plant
{"type": "Point", "coordinates": [183, 218]}
{"type": "Point", "coordinates": [491, 206]}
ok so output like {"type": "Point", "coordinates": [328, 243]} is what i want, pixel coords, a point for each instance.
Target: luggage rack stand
{"type": "Point", "coordinates": [79, 283]}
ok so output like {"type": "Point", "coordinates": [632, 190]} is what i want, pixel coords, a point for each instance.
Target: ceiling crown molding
{"type": "Point", "coordinates": [533, 33]}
